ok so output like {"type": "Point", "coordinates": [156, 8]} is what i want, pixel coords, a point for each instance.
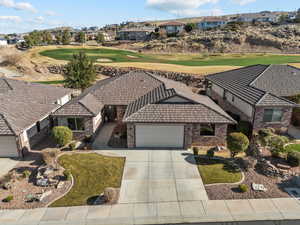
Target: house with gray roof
{"type": "Point", "coordinates": [257, 94]}
{"type": "Point", "coordinates": [156, 112]}
{"type": "Point", "coordinates": [25, 110]}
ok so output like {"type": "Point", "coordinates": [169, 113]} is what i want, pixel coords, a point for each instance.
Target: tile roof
{"type": "Point", "coordinates": [23, 103]}
{"type": "Point", "coordinates": [246, 83]}
{"type": "Point", "coordinates": [172, 23]}
{"type": "Point", "coordinates": [4, 127]}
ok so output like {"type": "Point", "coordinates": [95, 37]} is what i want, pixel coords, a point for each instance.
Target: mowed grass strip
{"type": "Point", "coordinates": [217, 172]}
{"type": "Point", "coordinates": [293, 148]}
{"type": "Point", "coordinates": [92, 174]}
{"type": "Point", "coordinates": [119, 56]}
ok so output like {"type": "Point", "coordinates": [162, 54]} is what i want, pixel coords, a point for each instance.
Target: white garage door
{"type": "Point", "coordinates": [8, 146]}
{"type": "Point", "coordinates": [159, 136]}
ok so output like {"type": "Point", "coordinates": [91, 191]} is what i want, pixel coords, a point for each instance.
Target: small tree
{"type": "Point", "coordinates": [189, 27]}
{"type": "Point", "coordinates": [66, 37]}
{"type": "Point", "coordinates": [297, 20]}
{"type": "Point", "coordinates": [100, 38]}
{"type": "Point", "coordinates": [237, 142]}
{"type": "Point", "coordinates": [62, 135]}
{"type": "Point", "coordinates": [80, 72]}
{"type": "Point", "coordinates": [81, 38]}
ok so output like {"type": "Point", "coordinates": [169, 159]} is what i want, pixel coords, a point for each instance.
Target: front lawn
{"type": "Point", "coordinates": [293, 148]}
{"type": "Point", "coordinates": [215, 172]}
{"type": "Point", "coordinates": [92, 174]}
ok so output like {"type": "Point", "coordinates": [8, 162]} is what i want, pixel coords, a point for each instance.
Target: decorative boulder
{"type": "Point", "coordinates": [42, 182]}
{"type": "Point", "coordinates": [111, 195]}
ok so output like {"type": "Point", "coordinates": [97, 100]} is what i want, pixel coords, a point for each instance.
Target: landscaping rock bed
{"type": "Point", "coordinates": [24, 189]}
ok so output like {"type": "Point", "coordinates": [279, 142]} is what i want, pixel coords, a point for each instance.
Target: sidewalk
{"type": "Point", "coordinates": [163, 213]}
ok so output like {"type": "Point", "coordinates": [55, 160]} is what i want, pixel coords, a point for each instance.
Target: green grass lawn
{"type": "Point", "coordinates": [293, 148]}
{"type": "Point", "coordinates": [92, 174]}
{"type": "Point", "coordinates": [116, 56]}
{"type": "Point", "coordinates": [53, 82]}
{"type": "Point", "coordinates": [214, 172]}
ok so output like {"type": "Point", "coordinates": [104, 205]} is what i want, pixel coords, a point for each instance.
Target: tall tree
{"type": "Point", "coordinates": [190, 27]}
{"type": "Point", "coordinates": [66, 37]}
{"type": "Point", "coordinates": [58, 38]}
{"type": "Point", "coordinates": [47, 37]}
{"type": "Point", "coordinates": [80, 72]}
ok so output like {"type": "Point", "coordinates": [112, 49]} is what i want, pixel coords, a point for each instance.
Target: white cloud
{"type": "Point", "coordinates": [18, 5]}
{"type": "Point", "coordinates": [243, 2]}
{"type": "Point", "coordinates": [39, 20]}
{"type": "Point", "coordinates": [180, 7]}
{"type": "Point", "coordinates": [50, 13]}
{"type": "Point", "coordinates": [15, 19]}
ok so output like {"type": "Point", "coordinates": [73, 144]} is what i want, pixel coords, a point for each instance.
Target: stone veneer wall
{"type": "Point", "coordinates": [281, 127]}
{"type": "Point", "coordinates": [193, 80]}
{"type": "Point", "coordinates": [130, 135]}
{"type": "Point", "coordinates": [227, 106]}
{"type": "Point", "coordinates": [193, 137]}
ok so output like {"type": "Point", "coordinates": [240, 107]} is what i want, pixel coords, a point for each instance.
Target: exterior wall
{"type": "Point", "coordinates": [131, 135]}
{"type": "Point", "coordinates": [238, 107]}
{"type": "Point", "coordinates": [133, 35]}
{"type": "Point", "coordinates": [97, 121]}
{"type": "Point", "coordinates": [79, 135]}
{"type": "Point", "coordinates": [121, 109]}
{"type": "Point", "coordinates": [193, 137]}
{"type": "Point", "coordinates": [211, 24]}
{"type": "Point", "coordinates": [281, 127]}
{"type": "Point", "coordinates": [173, 29]}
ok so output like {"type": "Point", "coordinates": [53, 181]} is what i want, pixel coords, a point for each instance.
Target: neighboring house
{"type": "Point", "coordinates": [172, 27]}
{"type": "Point", "coordinates": [3, 42]}
{"type": "Point", "coordinates": [257, 94]}
{"type": "Point", "coordinates": [259, 17]}
{"type": "Point", "coordinates": [135, 34]}
{"type": "Point", "coordinates": [157, 112]}
{"type": "Point", "coordinates": [25, 110]}
{"type": "Point", "coordinates": [212, 22]}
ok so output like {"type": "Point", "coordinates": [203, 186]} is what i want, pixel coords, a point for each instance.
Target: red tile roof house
{"type": "Point", "coordinates": [156, 111]}
{"type": "Point", "coordinates": [172, 27]}
{"type": "Point", "coordinates": [257, 94]}
{"type": "Point", "coordinates": [25, 110]}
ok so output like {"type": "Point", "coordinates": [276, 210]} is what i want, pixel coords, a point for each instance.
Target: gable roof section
{"type": "Point", "coordinates": [23, 104]}
{"type": "Point", "coordinates": [149, 108]}
{"type": "Point", "coordinates": [240, 83]}
{"type": "Point", "coordinates": [280, 80]}
{"type": "Point", "coordinates": [4, 127]}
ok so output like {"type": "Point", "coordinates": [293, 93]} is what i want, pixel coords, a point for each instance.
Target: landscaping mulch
{"type": "Point", "coordinates": [227, 192]}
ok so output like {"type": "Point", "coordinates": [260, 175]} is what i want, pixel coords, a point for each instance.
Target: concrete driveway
{"type": "Point", "coordinates": [6, 165]}
{"type": "Point", "coordinates": [160, 176]}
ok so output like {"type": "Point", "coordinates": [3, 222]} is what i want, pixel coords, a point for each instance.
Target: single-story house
{"type": "Point", "coordinates": [25, 110]}
{"type": "Point", "coordinates": [212, 22]}
{"type": "Point", "coordinates": [257, 94]}
{"type": "Point", "coordinates": [156, 111]}
{"type": "Point", "coordinates": [172, 27]}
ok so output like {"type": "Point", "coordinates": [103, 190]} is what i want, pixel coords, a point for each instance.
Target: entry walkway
{"type": "Point", "coordinates": [103, 136]}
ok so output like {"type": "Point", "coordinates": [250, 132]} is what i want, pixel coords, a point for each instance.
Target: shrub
{"type": "Point", "coordinates": [293, 158]}
{"type": "Point", "coordinates": [49, 155]}
{"type": "Point", "coordinates": [72, 146]}
{"type": "Point", "coordinates": [62, 135]}
{"type": "Point", "coordinates": [196, 150]}
{"type": "Point", "coordinates": [8, 199]}
{"type": "Point", "coordinates": [26, 174]}
{"type": "Point", "coordinates": [237, 142]}
{"type": "Point", "coordinates": [67, 174]}
{"type": "Point", "coordinates": [210, 153]}
{"type": "Point", "coordinates": [243, 188]}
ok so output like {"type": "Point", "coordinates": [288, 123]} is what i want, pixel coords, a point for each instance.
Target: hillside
{"type": "Point", "coordinates": [260, 38]}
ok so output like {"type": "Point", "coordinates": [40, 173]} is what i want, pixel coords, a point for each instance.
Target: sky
{"type": "Point", "coordinates": [17, 16]}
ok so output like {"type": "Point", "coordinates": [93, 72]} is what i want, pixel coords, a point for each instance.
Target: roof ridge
{"type": "Point", "coordinates": [79, 102]}
{"type": "Point", "coordinates": [252, 82]}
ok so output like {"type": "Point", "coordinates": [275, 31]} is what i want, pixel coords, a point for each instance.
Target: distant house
{"type": "Point", "coordinates": [15, 41]}
{"type": "Point", "coordinates": [259, 17]}
{"type": "Point", "coordinates": [211, 22]}
{"type": "Point", "coordinates": [135, 34]}
{"type": "Point", "coordinates": [3, 42]}
{"type": "Point", "coordinates": [173, 27]}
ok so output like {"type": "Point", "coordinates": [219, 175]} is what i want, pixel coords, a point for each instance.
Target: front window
{"type": "Point", "coordinates": [76, 124]}
{"type": "Point", "coordinates": [207, 130]}
{"type": "Point", "coordinates": [273, 115]}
